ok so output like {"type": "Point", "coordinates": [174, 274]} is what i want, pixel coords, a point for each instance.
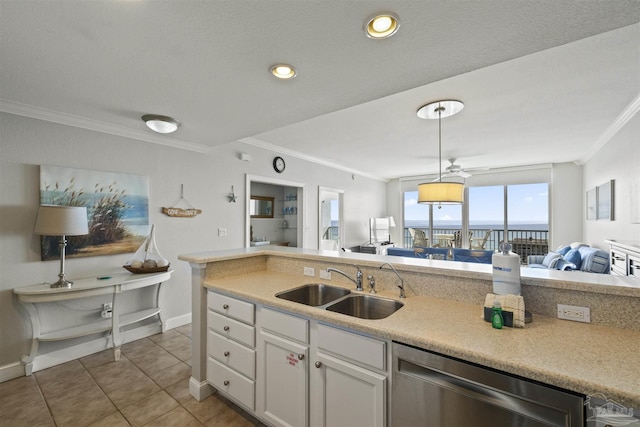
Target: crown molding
{"type": "Point", "coordinates": [95, 125]}
{"type": "Point", "coordinates": [624, 117]}
{"type": "Point", "coordinates": [278, 149]}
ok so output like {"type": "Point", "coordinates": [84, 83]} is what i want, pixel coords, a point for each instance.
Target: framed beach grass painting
{"type": "Point", "coordinates": [117, 210]}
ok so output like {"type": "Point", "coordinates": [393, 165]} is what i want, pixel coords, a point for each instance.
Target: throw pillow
{"type": "Point", "coordinates": [573, 256]}
{"type": "Point", "coordinates": [563, 250]}
{"type": "Point", "coordinates": [551, 259]}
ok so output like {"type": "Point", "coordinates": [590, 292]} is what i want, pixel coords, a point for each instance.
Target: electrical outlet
{"type": "Point", "coordinates": [222, 232]}
{"type": "Point", "coordinates": [574, 312]}
{"type": "Point", "coordinates": [324, 274]}
{"type": "Point", "coordinates": [309, 271]}
{"type": "Point", "coordinates": [107, 311]}
{"type": "Point", "coordinates": [107, 306]}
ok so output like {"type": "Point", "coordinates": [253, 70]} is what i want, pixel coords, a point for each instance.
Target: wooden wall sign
{"type": "Point", "coordinates": [175, 211]}
{"type": "Point", "coordinates": [182, 213]}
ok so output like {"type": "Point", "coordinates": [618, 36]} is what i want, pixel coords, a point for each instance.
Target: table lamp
{"type": "Point", "coordinates": [62, 221]}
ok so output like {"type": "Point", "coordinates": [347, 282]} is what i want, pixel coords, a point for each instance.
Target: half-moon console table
{"type": "Point", "coordinates": [114, 284]}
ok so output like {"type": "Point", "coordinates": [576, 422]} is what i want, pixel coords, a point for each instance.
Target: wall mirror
{"type": "Point", "coordinates": [261, 207]}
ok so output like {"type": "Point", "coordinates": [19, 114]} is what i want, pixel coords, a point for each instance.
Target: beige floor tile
{"type": "Point", "coordinates": [171, 375]}
{"type": "Point", "coordinates": [155, 360]}
{"type": "Point", "coordinates": [98, 359]}
{"type": "Point", "coordinates": [180, 391]}
{"type": "Point", "coordinates": [229, 418]}
{"type": "Point", "coordinates": [158, 338]}
{"type": "Point", "coordinates": [185, 330]}
{"type": "Point", "coordinates": [64, 398]}
{"type": "Point", "coordinates": [175, 343]}
{"type": "Point", "coordinates": [133, 392]}
{"type": "Point", "coordinates": [60, 372]}
{"type": "Point", "coordinates": [207, 408]}
{"type": "Point", "coordinates": [114, 420]}
{"type": "Point", "coordinates": [149, 409]}
{"type": "Point", "coordinates": [84, 413]}
{"type": "Point", "coordinates": [138, 347]}
{"type": "Point", "coordinates": [114, 375]}
{"type": "Point", "coordinates": [19, 393]}
{"type": "Point", "coordinates": [178, 417]}
{"type": "Point", "coordinates": [182, 353]}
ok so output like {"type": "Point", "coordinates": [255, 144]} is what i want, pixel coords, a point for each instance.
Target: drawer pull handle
{"type": "Point", "coordinates": [226, 306]}
{"type": "Point", "coordinates": [226, 328]}
{"type": "Point", "coordinates": [300, 356]}
{"type": "Point", "coordinates": [226, 354]}
{"type": "Point", "coordinates": [318, 364]}
{"type": "Point", "coordinates": [226, 382]}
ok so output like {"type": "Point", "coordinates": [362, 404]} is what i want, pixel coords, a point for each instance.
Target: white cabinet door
{"type": "Point", "coordinates": [337, 382]}
{"type": "Point", "coordinates": [282, 381]}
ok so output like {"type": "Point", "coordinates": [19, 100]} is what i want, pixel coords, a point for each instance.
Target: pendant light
{"type": "Point", "coordinates": [438, 192]}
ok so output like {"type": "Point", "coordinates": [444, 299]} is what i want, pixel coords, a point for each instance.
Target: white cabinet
{"type": "Point", "coordinates": [283, 352]}
{"type": "Point", "coordinates": [625, 258]}
{"type": "Point", "coordinates": [231, 356]}
{"type": "Point", "coordinates": [350, 381]}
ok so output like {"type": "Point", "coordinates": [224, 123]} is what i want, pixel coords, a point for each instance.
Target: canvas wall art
{"type": "Point", "coordinates": [605, 201]}
{"type": "Point", "coordinates": [117, 210]}
{"type": "Point", "coordinates": [592, 204]}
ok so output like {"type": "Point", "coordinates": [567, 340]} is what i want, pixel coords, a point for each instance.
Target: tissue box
{"type": "Point", "coordinates": [507, 316]}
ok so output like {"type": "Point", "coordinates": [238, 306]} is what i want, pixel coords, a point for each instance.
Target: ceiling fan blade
{"type": "Point", "coordinates": [463, 174]}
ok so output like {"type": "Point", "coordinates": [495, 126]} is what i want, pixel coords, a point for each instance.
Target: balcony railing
{"type": "Point", "coordinates": [524, 242]}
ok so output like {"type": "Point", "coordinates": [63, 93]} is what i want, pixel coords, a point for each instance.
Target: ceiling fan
{"type": "Point", "coordinates": [456, 170]}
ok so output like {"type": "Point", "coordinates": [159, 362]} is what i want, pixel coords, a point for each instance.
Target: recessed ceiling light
{"type": "Point", "coordinates": [381, 26]}
{"type": "Point", "coordinates": [161, 124]}
{"type": "Point", "coordinates": [283, 71]}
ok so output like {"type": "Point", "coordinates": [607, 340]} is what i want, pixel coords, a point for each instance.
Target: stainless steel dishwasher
{"type": "Point", "coordinates": [436, 391]}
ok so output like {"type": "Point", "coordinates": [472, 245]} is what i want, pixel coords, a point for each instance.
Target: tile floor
{"type": "Point", "coordinates": [148, 386]}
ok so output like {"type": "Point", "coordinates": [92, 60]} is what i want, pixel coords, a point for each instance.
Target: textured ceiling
{"type": "Point", "coordinates": [543, 81]}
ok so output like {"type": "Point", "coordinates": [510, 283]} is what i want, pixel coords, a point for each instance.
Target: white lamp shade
{"type": "Point", "coordinates": [62, 221]}
{"type": "Point", "coordinates": [441, 192]}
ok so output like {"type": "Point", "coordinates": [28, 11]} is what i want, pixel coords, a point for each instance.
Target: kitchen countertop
{"type": "Point", "coordinates": [581, 357]}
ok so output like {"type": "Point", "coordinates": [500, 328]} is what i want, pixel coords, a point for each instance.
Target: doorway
{"type": "Point", "coordinates": [285, 224]}
{"type": "Point", "coordinates": [330, 215]}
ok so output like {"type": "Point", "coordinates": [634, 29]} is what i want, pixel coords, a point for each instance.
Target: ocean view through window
{"type": "Point", "coordinates": [526, 226]}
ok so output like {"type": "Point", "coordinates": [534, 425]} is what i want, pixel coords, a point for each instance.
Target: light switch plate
{"type": "Point", "coordinates": [222, 232]}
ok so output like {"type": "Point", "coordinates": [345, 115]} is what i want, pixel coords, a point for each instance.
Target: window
{"type": "Point", "coordinates": [524, 219]}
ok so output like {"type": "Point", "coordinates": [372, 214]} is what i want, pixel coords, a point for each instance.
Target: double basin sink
{"type": "Point", "coordinates": [340, 300]}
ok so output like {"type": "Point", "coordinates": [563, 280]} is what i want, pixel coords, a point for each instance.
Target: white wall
{"type": "Point", "coordinates": [619, 159]}
{"type": "Point", "coordinates": [27, 143]}
{"type": "Point", "coordinates": [565, 218]}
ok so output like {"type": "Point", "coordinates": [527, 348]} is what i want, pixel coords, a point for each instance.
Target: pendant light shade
{"type": "Point", "coordinates": [438, 192]}
{"type": "Point", "coordinates": [445, 193]}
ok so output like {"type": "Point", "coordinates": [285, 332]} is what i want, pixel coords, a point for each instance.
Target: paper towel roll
{"type": "Point", "coordinates": [506, 273]}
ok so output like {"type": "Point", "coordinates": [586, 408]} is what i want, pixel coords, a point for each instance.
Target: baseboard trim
{"type": "Point", "coordinates": [176, 322]}
{"type": "Point", "coordinates": [199, 390]}
{"type": "Point", "coordinates": [11, 371]}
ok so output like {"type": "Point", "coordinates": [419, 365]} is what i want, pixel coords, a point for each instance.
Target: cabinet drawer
{"type": "Point", "coordinates": [231, 307]}
{"type": "Point", "coordinates": [357, 348]}
{"type": "Point", "coordinates": [634, 266]}
{"type": "Point", "coordinates": [232, 354]}
{"type": "Point", "coordinates": [230, 328]}
{"type": "Point", "coordinates": [284, 324]}
{"type": "Point", "coordinates": [231, 382]}
{"type": "Point", "coordinates": [618, 270]}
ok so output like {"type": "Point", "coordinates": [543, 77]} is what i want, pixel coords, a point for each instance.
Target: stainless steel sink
{"type": "Point", "coordinates": [366, 307]}
{"type": "Point", "coordinates": [314, 294]}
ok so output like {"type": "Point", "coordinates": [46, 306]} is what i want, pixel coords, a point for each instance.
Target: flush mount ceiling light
{"type": "Point", "coordinates": [382, 25]}
{"type": "Point", "coordinates": [438, 192]}
{"type": "Point", "coordinates": [283, 71]}
{"type": "Point", "coordinates": [161, 124]}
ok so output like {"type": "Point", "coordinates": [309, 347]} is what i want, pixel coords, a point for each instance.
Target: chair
{"type": "Point", "coordinates": [480, 243]}
{"type": "Point", "coordinates": [472, 255]}
{"type": "Point", "coordinates": [418, 237]}
{"type": "Point", "coordinates": [432, 253]}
